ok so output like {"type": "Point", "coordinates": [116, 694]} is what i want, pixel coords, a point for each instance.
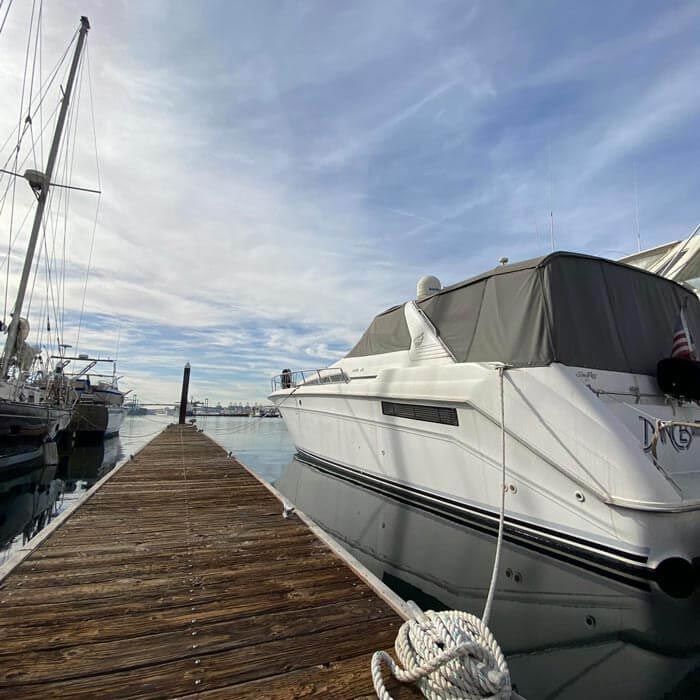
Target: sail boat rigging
{"type": "Point", "coordinates": [34, 405]}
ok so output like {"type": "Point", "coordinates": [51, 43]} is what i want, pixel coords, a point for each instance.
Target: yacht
{"type": "Point", "coordinates": [100, 408]}
{"type": "Point", "coordinates": [602, 457]}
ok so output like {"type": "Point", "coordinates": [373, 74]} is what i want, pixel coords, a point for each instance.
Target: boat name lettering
{"type": "Point", "coordinates": [680, 436]}
{"type": "Point", "coordinates": [586, 375]}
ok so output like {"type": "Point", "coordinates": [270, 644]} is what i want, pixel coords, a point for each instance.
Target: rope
{"type": "Point", "coordinates": [449, 654]}
{"type": "Point", "coordinates": [661, 425]}
{"type": "Point", "coordinates": [452, 654]}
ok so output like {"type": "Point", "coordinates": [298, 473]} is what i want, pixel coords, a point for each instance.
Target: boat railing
{"type": "Point", "coordinates": [290, 379]}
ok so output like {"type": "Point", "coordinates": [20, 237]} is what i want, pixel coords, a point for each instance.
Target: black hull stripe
{"type": "Point", "coordinates": [487, 522]}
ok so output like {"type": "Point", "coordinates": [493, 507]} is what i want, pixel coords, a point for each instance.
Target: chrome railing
{"type": "Point", "coordinates": [289, 379]}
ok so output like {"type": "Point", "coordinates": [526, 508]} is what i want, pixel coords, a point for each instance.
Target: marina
{"type": "Point", "coordinates": [240, 457]}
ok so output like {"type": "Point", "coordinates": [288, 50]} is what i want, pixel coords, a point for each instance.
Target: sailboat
{"type": "Point", "coordinates": [100, 407]}
{"type": "Point", "coordinates": [35, 400]}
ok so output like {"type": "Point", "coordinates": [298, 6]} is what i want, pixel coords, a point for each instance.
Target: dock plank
{"type": "Point", "coordinates": [179, 577]}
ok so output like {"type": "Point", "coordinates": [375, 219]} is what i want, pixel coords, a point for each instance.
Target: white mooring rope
{"type": "Point", "coordinates": [452, 655]}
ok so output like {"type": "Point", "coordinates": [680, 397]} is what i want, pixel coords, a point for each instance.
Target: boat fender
{"type": "Point", "coordinates": [679, 378]}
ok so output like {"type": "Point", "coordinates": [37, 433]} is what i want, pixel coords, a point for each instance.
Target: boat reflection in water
{"type": "Point", "coordinates": [36, 483]}
{"type": "Point", "coordinates": [88, 462]}
{"type": "Point", "coordinates": [29, 491]}
{"type": "Point", "coordinates": [568, 633]}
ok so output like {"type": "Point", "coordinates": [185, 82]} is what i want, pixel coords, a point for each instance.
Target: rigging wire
{"type": "Point", "coordinates": [16, 154]}
{"type": "Point", "coordinates": [44, 89]}
{"type": "Point", "coordinates": [99, 202]}
{"type": "Point", "coordinates": [15, 172]}
{"type": "Point", "coordinates": [12, 184]}
{"type": "Point", "coordinates": [44, 92]}
{"type": "Point", "coordinates": [33, 75]}
{"type": "Point", "coordinates": [7, 12]}
{"type": "Point", "coordinates": [70, 163]}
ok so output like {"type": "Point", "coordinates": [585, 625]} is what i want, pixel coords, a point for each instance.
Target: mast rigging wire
{"type": "Point", "coordinates": [7, 12]}
{"type": "Point", "coordinates": [44, 91]}
{"type": "Point", "coordinates": [99, 202]}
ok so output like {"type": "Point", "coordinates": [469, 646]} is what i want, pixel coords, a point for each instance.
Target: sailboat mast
{"type": "Point", "coordinates": [42, 197]}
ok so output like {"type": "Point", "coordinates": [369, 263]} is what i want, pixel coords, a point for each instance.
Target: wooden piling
{"type": "Point", "coordinates": [185, 392]}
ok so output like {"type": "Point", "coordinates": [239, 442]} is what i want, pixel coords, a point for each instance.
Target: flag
{"type": "Point", "coordinates": [682, 341]}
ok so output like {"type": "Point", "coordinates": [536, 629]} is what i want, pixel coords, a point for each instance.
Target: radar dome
{"type": "Point", "coordinates": [427, 285]}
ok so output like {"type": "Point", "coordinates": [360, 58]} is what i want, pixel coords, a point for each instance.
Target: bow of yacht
{"type": "Point", "coordinates": [603, 465]}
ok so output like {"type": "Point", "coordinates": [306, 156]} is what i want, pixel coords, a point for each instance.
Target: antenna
{"type": "Point", "coordinates": [551, 208]}
{"type": "Point", "coordinates": [636, 206]}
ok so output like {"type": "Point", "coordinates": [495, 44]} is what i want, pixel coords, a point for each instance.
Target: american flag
{"type": "Point", "coordinates": [682, 341]}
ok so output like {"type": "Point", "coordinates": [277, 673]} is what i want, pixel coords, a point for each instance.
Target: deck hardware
{"type": "Point", "coordinates": [580, 497]}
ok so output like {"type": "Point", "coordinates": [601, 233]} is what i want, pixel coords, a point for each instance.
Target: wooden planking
{"type": "Point", "coordinates": [180, 578]}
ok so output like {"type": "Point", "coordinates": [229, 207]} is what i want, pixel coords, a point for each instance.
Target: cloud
{"type": "Point", "coordinates": [275, 174]}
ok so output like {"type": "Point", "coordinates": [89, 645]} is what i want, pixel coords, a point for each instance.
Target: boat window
{"type": "Point", "coordinates": [431, 414]}
{"type": "Point", "coordinates": [388, 332]}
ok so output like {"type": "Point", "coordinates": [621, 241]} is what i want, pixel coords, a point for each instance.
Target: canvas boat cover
{"type": "Point", "coordinates": [578, 310]}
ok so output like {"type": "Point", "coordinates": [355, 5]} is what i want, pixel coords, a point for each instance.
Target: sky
{"type": "Point", "coordinates": [274, 174]}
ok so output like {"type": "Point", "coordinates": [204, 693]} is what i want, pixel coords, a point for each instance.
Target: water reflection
{"type": "Point", "coordinates": [84, 464]}
{"type": "Point", "coordinates": [28, 491]}
{"type": "Point", "coordinates": [38, 483]}
{"type": "Point", "coordinates": [568, 633]}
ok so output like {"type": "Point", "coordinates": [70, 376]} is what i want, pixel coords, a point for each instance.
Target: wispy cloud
{"type": "Point", "coordinates": [274, 174]}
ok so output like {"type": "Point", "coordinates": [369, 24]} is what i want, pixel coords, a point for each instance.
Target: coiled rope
{"type": "Point", "coordinates": [448, 654]}
{"type": "Point", "coordinates": [452, 655]}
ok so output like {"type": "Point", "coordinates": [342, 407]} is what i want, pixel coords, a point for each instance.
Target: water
{"type": "Point", "coordinates": [567, 633]}
{"type": "Point", "coordinates": [263, 444]}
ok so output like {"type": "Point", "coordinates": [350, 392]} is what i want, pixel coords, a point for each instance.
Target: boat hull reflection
{"type": "Point", "coordinates": [567, 632]}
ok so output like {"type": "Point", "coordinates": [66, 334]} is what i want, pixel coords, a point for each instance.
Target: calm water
{"type": "Point", "coordinates": [568, 633]}
{"type": "Point", "coordinates": [34, 492]}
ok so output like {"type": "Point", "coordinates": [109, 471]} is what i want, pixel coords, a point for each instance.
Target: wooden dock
{"type": "Point", "coordinates": [179, 578]}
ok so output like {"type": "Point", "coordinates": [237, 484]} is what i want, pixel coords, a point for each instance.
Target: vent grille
{"type": "Point", "coordinates": [430, 414]}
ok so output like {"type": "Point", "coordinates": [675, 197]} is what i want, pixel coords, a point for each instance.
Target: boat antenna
{"type": "Point", "coordinates": [40, 183]}
{"type": "Point", "coordinates": [636, 207]}
{"type": "Point", "coordinates": [551, 207]}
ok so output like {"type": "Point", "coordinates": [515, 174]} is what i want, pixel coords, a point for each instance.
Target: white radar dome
{"type": "Point", "coordinates": [427, 285]}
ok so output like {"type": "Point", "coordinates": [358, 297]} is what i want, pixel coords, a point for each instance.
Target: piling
{"type": "Point", "coordinates": [184, 394]}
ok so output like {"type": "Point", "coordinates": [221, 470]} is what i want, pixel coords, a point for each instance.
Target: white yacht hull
{"type": "Point", "coordinates": [579, 479]}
